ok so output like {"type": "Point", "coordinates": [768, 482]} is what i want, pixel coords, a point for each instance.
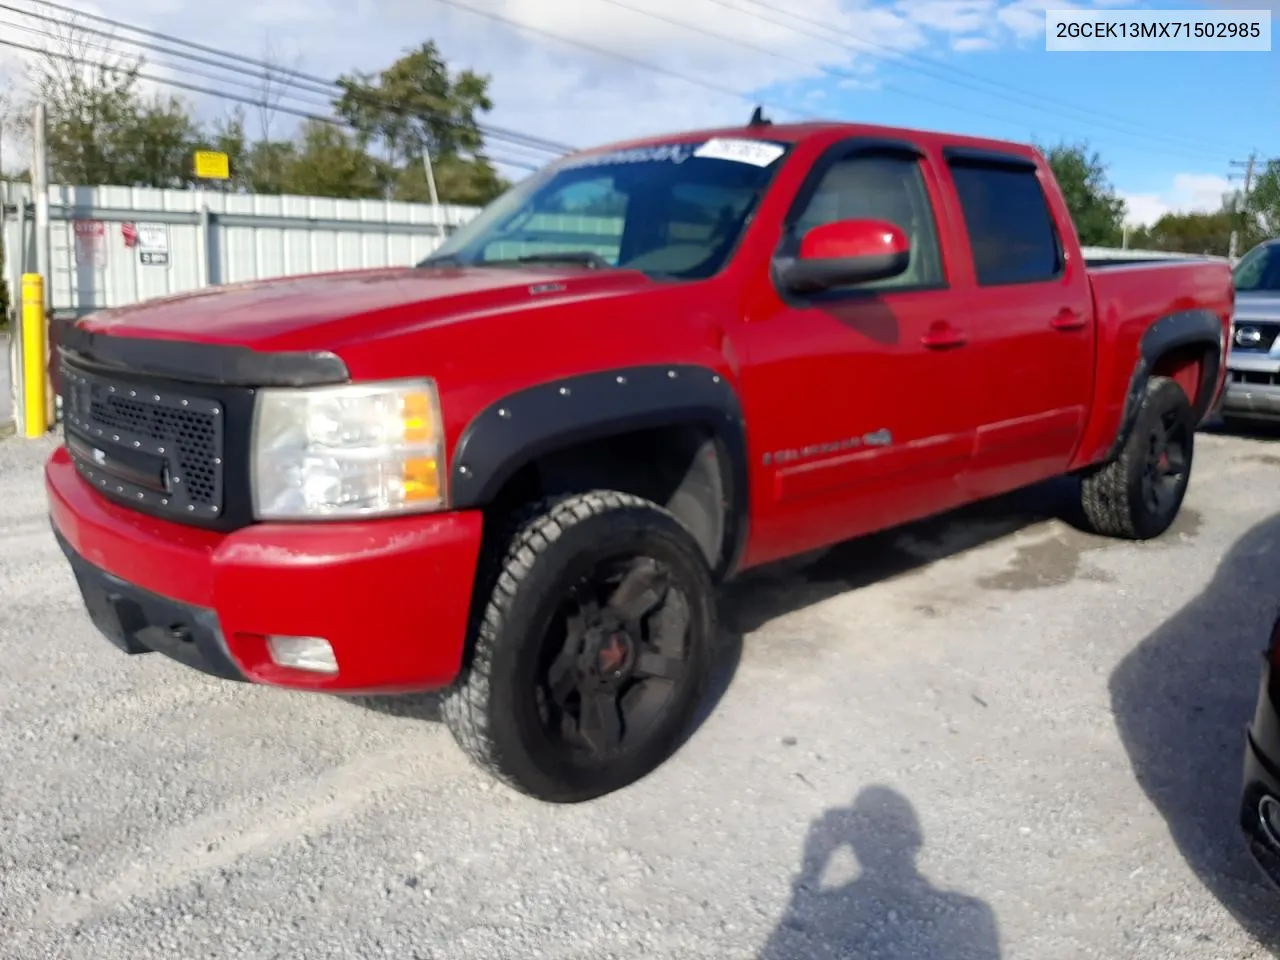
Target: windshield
{"type": "Point", "coordinates": [672, 210]}
{"type": "Point", "coordinates": [1259, 269]}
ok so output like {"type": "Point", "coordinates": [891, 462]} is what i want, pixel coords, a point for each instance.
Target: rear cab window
{"type": "Point", "coordinates": [1013, 236]}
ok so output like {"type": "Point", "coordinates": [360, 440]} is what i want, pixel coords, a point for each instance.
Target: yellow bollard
{"type": "Point", "coordinates": [35, 367]}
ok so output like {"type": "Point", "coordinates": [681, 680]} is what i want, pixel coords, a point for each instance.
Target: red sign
{"type": "Point", "coordinates": [91, 248]}
{"type": "Point", "coordinates": [130, 234]}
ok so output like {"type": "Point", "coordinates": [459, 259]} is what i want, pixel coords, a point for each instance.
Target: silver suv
{"type": "Point", "coordinates": [1253, 359]}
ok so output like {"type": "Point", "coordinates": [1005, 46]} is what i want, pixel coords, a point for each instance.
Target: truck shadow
{"type": "Point", "coordinates": [787, 587]}
{"type": "Point", "coordinates": [761, 595]}
{"type": "Point", "coordinates": [887, 908]}
{"type": "Point", "coordinates": [1246, 430]}
{"type": "Point", "coordinates": [1181, 701]}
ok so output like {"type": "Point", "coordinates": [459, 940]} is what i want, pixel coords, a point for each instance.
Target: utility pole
{"type": "Point", "coordinates": [1254, 167]}
{"type": "Point", "coordinates": [431, 187]}
{"type": "Point", "coordinates": [1249, 166]}
{"type": "Point", "coordinates": [40, 194]}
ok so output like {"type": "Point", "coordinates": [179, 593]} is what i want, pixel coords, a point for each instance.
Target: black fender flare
{"type": "Point", "coordinates": [519, 428]}
{"type": "Point", "coordinates": [1171, 332]}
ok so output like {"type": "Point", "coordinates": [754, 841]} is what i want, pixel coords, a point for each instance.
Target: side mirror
{"type": "Point", "coordinates": [847, 252]}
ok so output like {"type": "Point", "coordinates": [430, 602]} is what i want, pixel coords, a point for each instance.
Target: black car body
{"type": "Point", "coordinates": [1260, 804]}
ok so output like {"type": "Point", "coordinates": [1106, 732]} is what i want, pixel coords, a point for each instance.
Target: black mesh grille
{"type": "Point", "coordinates": [153, 444]}
{"type": "Point", "coordinates": [193, 436]}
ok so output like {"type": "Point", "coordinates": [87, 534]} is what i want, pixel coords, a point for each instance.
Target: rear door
{"type": "Point", "coordinates": [861, 400]}
{"type": "Point", "coordinates": [1031, 312]}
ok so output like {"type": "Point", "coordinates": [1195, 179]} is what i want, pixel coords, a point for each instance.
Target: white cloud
{"type": "Point", "coordinates": [951, 16]}
{"type": "Point", "coordinates": [972, 44]}
{"type": "Point", "coordinates": [1189, 193]}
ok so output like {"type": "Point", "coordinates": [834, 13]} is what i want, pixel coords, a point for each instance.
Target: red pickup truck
{"type": "Point", "coordinates": [516, 471]}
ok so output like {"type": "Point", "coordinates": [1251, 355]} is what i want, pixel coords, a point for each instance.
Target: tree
{"type": "Point", "coordinates": [415, 108]}
{"type": "Point", "coordinates": [1096, 209]}
{"type": "Point", "coordinates": [100, 129]}
{"type": "Point", "coordinates": [1197, 233]}
{"type": "Point", "coordinates": [11, 125]}
{"type": "Point", "coordinates": [257, 166]}
{"type": "Point", "coordinates": [1262, 206]}
{"type": "Point", "coordinates": [329, 163]}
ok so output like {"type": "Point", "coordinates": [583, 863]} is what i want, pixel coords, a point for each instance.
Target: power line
{"type": "Point", "coordinates": [860, 44]}
{"type": "Point", "coordinates": [830, 71]}
{"type": "Point", "coordinates": [290, 77]}
{"type": "Point", "coordinates": [1178, 149]}
{"type": "Point", "coordinates": [613, 54]}
{"type": "Point", "coordinates": [1251, 168]}
{"type": "Point", "coordinates": [223, 95]}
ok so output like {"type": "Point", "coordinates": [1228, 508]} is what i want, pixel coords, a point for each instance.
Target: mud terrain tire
{"type": "Point", "coordinates": [1138, 495]}
{"type": "Point", "coordinates": [593, 596]}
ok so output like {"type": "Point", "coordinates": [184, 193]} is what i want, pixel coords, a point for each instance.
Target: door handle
{"type": "Point", "coordinates": [941, 335]}
{"type": "Point", "coordinates": [1067, 319]}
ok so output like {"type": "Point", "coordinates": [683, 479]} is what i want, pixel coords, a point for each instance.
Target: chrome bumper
{"type": "Point", "coordinates": [1253, 388]}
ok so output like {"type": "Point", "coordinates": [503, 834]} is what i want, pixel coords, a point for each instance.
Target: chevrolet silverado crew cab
{"type": "Point", "coordinates": [1253, 357]}
{"type": "Point", "coordinates": [516, 471]}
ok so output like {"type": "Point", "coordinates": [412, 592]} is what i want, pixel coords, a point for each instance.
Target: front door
{"type": "Point", "coordinates": [861, 405]}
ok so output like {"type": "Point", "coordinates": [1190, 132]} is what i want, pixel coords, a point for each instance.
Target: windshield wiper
{"type": "Point", "coordinates": [448, 260]}
{"type": "Point", "coordinates": [587, 258]}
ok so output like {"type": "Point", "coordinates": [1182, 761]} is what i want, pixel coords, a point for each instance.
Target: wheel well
{"type": "Point", "coordinates": [683, 467]}
{"type": "Point", "coordinates": [1185, 366]}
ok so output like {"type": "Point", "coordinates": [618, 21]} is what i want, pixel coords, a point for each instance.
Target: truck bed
{"type": "Point", "coordinates": [1099, 257]}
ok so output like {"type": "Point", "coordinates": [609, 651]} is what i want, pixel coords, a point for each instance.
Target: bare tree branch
{"type": "Point", "coordinates": [10, 127]}
{"type": "Point", "coordinates": [275, 85]}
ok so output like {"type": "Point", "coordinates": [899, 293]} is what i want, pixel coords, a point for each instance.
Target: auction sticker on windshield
{"type": "Point", "coordinates": [758, 153]}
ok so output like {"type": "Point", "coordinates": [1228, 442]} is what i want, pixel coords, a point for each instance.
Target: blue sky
{"type": "Point", "coordinates": [585, 71]}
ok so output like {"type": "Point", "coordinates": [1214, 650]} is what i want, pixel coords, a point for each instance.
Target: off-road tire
{"type": "Point", "coordinates": [526, 576]}
{"type": "Point", "coordinates": [1112, 495]}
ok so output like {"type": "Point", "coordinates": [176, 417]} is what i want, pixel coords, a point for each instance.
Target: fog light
{"type": "Point", "coordinates": [303, 653]}
{"type": "Point", "coordinates": [1269, 816]}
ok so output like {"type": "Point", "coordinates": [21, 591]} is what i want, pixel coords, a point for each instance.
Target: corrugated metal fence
{"type": "Point", "coordinates": [111, 246]}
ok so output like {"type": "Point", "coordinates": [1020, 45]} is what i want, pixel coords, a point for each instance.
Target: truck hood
{"type": "Point", "coordinates": [1260, 305]}
{"type": "Point", "coordinates": [311, 312]}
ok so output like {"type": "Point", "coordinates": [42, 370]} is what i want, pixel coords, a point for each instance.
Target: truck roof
{"type": "Point", "coordinates": [825, 130]}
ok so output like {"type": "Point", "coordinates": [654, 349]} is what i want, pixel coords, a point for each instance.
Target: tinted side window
{"type": "Point", "coordinates": [880, 188]}
{"type": "Point", "coordinates": [1011, 229]}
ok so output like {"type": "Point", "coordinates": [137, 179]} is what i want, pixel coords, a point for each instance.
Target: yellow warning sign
{"type": "Point", "coordinates": [212, 165]}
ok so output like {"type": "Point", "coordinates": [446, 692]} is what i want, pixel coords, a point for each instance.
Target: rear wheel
{"type": "Point", "coordinates": [592, 652]}
{"type": "Point", "coordinates": [1138, 495]}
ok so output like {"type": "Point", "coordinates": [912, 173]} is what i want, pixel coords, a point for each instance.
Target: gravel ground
{"type": "Point", "coordinates": [989, 735]}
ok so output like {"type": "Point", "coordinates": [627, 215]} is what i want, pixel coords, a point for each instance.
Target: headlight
{"type": "Point", "coordinates": [354, 450]}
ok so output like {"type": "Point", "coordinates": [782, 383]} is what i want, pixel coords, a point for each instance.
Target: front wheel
{"type": "Point", "coordinates": [592, 653]}
{"type": "Point", "coordinates": [1138, 495]}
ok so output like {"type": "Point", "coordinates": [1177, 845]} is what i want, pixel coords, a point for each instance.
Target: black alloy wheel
{"type": "Point", "coordinates": [613, 658]}
{"type": "Point", "coordinates": [1164, 473]}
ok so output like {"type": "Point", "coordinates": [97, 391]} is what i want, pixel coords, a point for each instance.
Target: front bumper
{"type": "Point", "coordinates": [1261, 783]}
{"type": "Point", "coordinates": [392, 597]}
{"type": "Point", "coordinates": [1253, 388]}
